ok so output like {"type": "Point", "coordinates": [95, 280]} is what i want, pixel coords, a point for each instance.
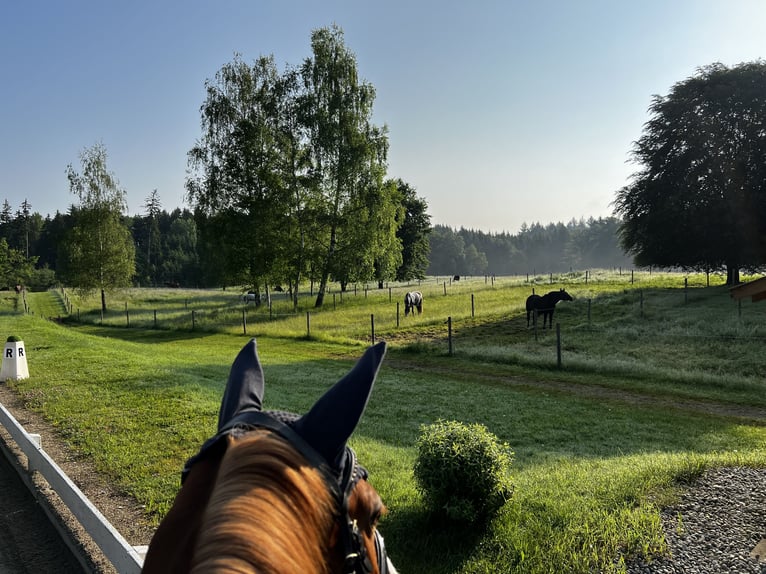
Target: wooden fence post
{"type": "Point", "coordinates": [244, 322]}
{"type": "Point", "coordinates": [449, 334]}
{"type": "Point", "coordinates": [308, 324]}
{"type": "Point", "coordinates": [397, 313]}
{"type": "Point", "coordinates": [558, 345]}
{"type": "Point", "coordinates": [194, 320]}
{"type": "Point", "coordinates": [372, 326]}
{"type": "Point", "coordinates": [472, 306]}
{"type": "Point", "coordinates": [155, 318]}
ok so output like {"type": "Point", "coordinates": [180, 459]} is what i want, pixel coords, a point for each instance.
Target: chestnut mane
{"type": "Point", "coordinates": [259, 501]}
{"type": "Point", "coordinates": [269, 511]}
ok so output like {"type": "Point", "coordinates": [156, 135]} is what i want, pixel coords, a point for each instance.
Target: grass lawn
{"type": "Point", "coordinates": [657, 383]}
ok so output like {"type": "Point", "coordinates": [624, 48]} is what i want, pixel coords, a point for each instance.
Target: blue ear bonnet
{"type": "Point", "coordinates": [320, 435]}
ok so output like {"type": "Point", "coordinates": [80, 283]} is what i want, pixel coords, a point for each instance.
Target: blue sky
{"type": "Point", "coordinates": [499, 113]}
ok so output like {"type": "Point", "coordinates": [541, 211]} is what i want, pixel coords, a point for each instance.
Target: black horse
{"type": "Point", "coordinates": [545, 305]}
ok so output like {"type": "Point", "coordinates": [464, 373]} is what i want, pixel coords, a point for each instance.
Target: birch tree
{"type": "Point", "coordinates": [98, 252]}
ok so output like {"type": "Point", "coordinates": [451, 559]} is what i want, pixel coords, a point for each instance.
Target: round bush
{"type": "Point", "coordinates": [463, 470]}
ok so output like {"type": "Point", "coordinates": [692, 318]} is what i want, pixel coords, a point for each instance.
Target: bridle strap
{"type": "Point", "coordinates": [247, 420]}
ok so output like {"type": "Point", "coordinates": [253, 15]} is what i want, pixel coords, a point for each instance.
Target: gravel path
{"type": "Point", "coordinates": [28, 542]}
{"type": "Point", "coordinates": [715, 526]}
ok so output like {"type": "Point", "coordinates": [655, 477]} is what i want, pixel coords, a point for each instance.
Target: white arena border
{"type": "Point", "coordinates": [125, 558]}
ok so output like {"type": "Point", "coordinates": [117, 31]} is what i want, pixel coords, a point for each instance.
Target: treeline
{"type": "Point", "coordinates": [537, 248]}
{"type": "Point", "coordinates": [168, 249]}
{"type": "Point", "coordinates": [165, 242]}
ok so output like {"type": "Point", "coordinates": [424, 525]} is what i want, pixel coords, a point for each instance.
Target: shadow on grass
{"type": "Point", "coordinates": [149, 336]}
{"type": "Point", "coordinates": [421, 541]}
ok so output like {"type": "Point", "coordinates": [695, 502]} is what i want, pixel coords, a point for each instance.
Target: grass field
{"type": "Point", "coordinates": [657, 382]}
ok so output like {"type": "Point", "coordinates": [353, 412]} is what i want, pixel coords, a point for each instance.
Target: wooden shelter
{"type": "Point", "coordinates": [756, 290]}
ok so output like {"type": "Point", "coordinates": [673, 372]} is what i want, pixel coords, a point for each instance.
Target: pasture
{"type": "Point", "coordinates": [657, 382]}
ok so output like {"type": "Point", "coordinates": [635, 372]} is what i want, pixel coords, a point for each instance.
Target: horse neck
{"type": "Point", "coordinates": [270, 512]}
{"type": "Point", "coordinates": [554, 297]}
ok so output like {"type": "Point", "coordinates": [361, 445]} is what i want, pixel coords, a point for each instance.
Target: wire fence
{"type": "Point", "coordinates": [584, 315]}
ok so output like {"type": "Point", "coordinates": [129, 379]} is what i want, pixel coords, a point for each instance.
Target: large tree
{"type": "Point", "coordinates": [699, 198]}
{"type": "Point", "coordinates": [15, 267]}
{"type": "Point", "coordinates": [146, 232]}
{"type": "Point", "coordinates": [98, 252]}
{"type": "Point", "coordinates": [413, 234]}
{"type": "Point", "coordinates": [236, 184]}
{"type": "Point", "coordinates": [348, 155]}
{"type": "Point", "coordinates": [287, 179]}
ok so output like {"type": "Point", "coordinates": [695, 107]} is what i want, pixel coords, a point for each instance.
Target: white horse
{"type": "Point", "coordinates": [252, 297]}
{"type": "Point", "coordinates": [413, 300]}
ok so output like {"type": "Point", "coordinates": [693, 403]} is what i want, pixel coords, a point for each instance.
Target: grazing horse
{"type": "Point", "coordinates": [545, 305]}
{"type": "Point", "coordinates": [413, 300]}
{"type": "Point", "coordinates": [252, 297]}
{"type": "Point", "coordinates": [274, 492]}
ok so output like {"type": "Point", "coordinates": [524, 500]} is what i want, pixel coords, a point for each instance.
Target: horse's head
{"type": "Point", "coordinates": [277, 492]}
{"type": "Point", "coordinates": [565, 296]}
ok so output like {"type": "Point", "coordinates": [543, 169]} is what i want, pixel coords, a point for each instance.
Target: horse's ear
{"type": "Point", "coordinates": [332, 419]}
{"type": "Point", "coordinates": [244, 389]}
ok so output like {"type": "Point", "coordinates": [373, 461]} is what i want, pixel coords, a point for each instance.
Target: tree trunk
{"type": "Point", "coordinates": [326, 270]}
{"type": "Point", "coordinates": [294, 291]}
{"type": "Point", "coordinates": [732, 274]}
{"type": "Point", "coordinates": [103, 301]}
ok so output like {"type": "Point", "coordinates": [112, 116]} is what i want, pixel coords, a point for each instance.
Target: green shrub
{"type": "Point", "coordinates": [12, 339]}
{"type": "Point", "coordinates": [462, 470]}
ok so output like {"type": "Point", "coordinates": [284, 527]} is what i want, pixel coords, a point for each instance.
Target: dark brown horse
{"type": "Point", "coordinates": [274, 492]}
{"type": "Point", "coordinates": [545, 305]}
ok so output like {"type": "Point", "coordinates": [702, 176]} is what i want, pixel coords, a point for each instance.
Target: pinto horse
{"type": "Point", "coordinates": [275, 492]}
{"type": "Point", "coordinates": [413, 300]}
{"type": "Point", "coordinates": [545, 305]}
